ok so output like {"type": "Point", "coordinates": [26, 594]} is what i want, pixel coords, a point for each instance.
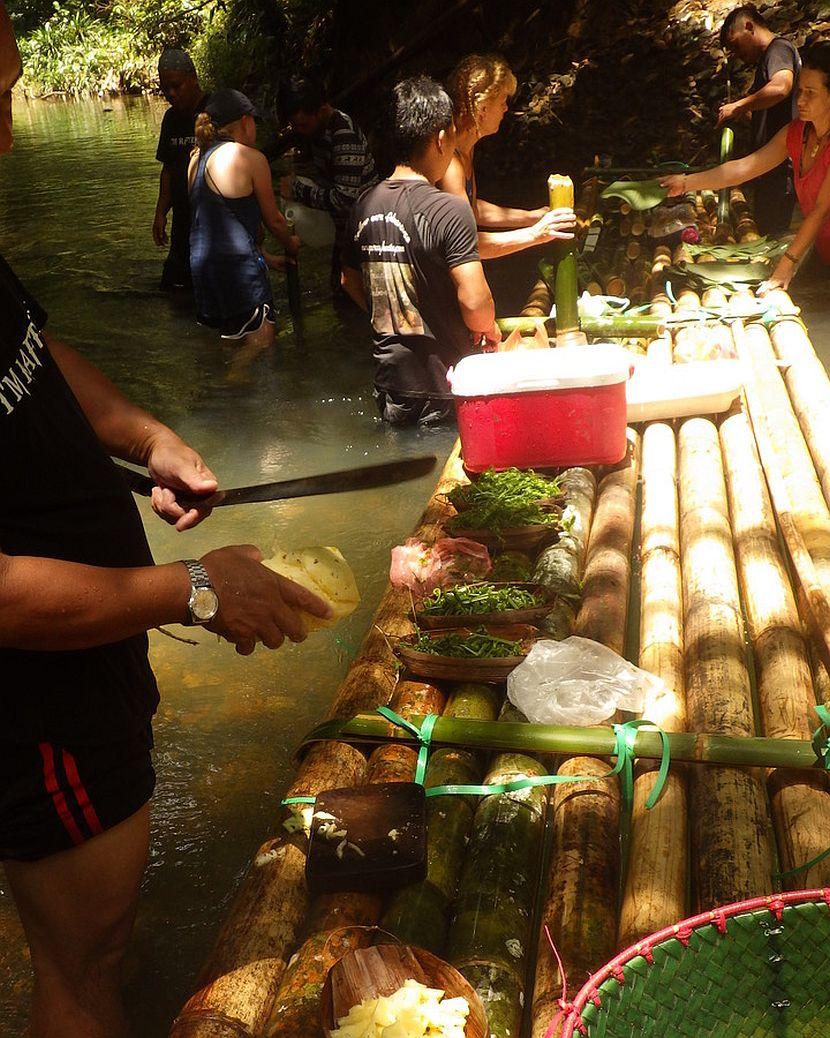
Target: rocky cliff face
{"type": "Point", "coordinates": [636, 81]}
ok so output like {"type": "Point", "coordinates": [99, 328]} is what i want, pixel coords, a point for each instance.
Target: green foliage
{"type": "Point", "coordinates": [77, 53]}
{"type": "Point", "coordinates": [82, 49]}
{"type": "Point", "coordinates": [113, 45]}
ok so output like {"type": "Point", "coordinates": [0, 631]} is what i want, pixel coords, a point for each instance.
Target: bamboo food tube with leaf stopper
{"type": "Point", "coordinates": [418, 914]}
{"type": "Point", "coordinates": [561, 196]}
{"type": "Point", "coordinates": [655, 888]}
{"type": "Point", "coordinates": [729, 813]}
{"type": "Point", "coordinates": [800, 802]}
{"type": "Point", "coordinates": [490, 932]}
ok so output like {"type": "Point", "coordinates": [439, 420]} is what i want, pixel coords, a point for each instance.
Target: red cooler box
{"type": "Point", "coordinates": [542, 408]}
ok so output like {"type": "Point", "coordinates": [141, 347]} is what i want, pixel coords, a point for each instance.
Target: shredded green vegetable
{"type": "Point", "coordinates": [479, 645]}
{"type": "Point", "coordinates": [469, 599]}
{"type": "Point", "coordinates": [500, 500]}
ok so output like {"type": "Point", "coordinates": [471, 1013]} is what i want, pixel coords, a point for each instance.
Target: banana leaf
{"type": "Point", "coordinates": [640, 194]}
{"type": "Point", "coordinates": [762, 249]}
{"type": "Point", "coordinates": [700, 276]}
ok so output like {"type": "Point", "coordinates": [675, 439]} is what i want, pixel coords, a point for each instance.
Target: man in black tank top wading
{"type": "Point", "coordinates": [78, 592]}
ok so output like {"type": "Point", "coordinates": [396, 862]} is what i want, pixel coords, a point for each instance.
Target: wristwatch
{"type": "Point", "coordinates": [203, 603]}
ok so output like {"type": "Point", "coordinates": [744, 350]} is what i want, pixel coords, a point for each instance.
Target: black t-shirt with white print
{"type": "Point", "coordinates": [61, 497]}
{"type": "Point", "coordinates": [406, 236]}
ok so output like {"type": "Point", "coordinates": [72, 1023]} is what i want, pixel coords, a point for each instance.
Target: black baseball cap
{"type": "Point", "coordinates": [226, 106]}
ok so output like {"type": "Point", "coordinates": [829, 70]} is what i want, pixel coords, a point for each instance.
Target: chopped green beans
{"type": "Point", "coordinates": [500, 500]}
{"type": "Point", "coordinates": [469, 599]}
{"type": "Point", "coordinates": [479, 645]}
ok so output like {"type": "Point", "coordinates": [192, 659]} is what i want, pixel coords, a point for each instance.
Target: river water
{"type": "Point", "coordinates": [77, 197]}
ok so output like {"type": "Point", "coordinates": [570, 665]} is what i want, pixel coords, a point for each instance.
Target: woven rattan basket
{"type": "Point", "coordinates": [757, 969]}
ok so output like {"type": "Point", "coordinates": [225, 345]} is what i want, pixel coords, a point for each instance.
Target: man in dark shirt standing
{"type": "Point", "coordinates": [412, 260]}
{"type": "Point", "coordinates": [78, 592]}
{"type": "Point", "coordinates": [771, 103]}
{"type": "Point", "coordinates": [180, 85]}
{"type": "Point", "coordinates": [343, 163]}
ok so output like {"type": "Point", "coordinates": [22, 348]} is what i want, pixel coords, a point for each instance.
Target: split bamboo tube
{"type": "Point", "coordinates": [800, 802]}
{"type": "Point", "coordinates": [730, 823]}
{"type": "Point", "coordinates": [238, 984]}
{"type": "Point", "coordinates": [809, 388]}
{"type": "Point", "coordinates": [655, 887]}
{"type": "Point", "coordinates": [583, 876]}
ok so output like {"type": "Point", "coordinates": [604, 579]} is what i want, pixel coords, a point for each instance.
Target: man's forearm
{"type": "Point", "coordinates": [165, 199]}
{"type": "Point", "coordinates": [48, 604]}
{"type": "Point", "coordinates": [767, 97]}
{"type": "Point", "coordinates": [123, 429]}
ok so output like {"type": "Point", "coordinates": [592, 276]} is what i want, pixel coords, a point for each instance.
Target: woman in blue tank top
{"type": "Point", "coordinates": [231, 196]}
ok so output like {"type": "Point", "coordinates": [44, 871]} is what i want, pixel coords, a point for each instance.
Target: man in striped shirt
{"type": "Point", "coordinates": [343, 164]}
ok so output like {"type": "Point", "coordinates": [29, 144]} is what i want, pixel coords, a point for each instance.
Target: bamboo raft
{"type": "Point", "coordinates": [705, 558]}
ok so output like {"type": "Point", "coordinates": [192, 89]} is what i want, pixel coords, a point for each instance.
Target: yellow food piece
{"type": "Point", "coordinates": [324, 572]}
{"type": "Point", "coordinates": [413, 1011]}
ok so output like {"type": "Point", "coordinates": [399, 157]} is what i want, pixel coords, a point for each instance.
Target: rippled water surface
{"type": "Point", "coordinates": [77, 198]}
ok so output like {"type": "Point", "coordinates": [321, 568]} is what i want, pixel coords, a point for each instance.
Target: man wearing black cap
{"type": "Point", "coordinates": [180, 85]}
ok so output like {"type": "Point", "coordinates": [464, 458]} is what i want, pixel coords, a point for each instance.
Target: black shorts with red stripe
{"type": "Point", "coordinates": [55, 797]}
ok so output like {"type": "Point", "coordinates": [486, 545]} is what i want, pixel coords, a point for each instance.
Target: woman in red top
{"type": "Point", "coordinates": [806, 141]}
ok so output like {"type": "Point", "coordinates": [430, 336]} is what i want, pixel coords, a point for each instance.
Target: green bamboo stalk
{"type": "Point", "coordinates": [727, 140]}
{"type": "Point", "coordinates": [615, 326]}
{"type": "Point", "coordinates": [566, 281]}
{"type": "Point", "coordinates": [692, 747]}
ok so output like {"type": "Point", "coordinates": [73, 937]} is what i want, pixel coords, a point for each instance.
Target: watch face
{"type": "Point", "coordinates": [204, 604]}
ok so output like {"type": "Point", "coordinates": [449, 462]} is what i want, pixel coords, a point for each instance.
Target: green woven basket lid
{"type": "Point", "coordinates": [757, 973]}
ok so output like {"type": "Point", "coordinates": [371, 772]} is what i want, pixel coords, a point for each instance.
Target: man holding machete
{"type": "Point", "coordinates": [78, 591]}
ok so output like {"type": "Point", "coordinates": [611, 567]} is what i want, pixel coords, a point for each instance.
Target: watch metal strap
{"type": "Point", "coordinates": [198, 574]}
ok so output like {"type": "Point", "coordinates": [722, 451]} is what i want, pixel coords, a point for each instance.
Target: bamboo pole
{"type": "Point", "coordinates": [800, 802]}
{"type": "Point", "coordinates": [809, 388]}
{"type": "Point", "coordinates": [729, 813]}
{"type": "Point", "coordinates": [583, 875]}
{"type": "Point", "coordinates": [656, 879]}
{"type": "Point", "coordinates": [237, 986]}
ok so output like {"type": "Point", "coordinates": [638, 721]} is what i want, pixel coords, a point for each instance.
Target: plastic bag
{"type": "Point", "coordinates": [577, 682]}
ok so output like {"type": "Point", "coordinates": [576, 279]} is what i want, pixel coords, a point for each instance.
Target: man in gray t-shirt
{"type": "Point", "coordinates": [411, 259]}
{"type": "Point", "coordinates": [771, 102]}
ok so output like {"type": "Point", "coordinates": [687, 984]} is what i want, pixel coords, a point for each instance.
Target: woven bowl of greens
{"type": "Point", "coordinates": [472, 653]}
{"type": "Point", "coordinates": [484, 602]}
{"type": "Point", "coordinates": [513, 510]}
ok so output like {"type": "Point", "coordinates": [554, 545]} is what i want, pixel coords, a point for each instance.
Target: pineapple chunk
{"type": "Point", "coordinates": [413, 1011]}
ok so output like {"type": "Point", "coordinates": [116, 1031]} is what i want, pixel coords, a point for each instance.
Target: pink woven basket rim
{"type": "Point", "coordinates": [681, 931]}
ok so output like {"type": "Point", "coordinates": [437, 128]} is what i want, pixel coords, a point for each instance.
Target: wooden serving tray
{"type": "Point", "coordinates": [532, 615]}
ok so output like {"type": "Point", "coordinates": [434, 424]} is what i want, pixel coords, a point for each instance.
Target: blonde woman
{"type": "Point", "coordinates": [480, 87]}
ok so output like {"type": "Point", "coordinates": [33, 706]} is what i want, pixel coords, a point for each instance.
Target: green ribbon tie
{"type": "Point", "coordinates": [422, 734]}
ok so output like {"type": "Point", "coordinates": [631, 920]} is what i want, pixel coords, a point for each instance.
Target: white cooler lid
{"type": "Point", "coordinates": [529, 371]}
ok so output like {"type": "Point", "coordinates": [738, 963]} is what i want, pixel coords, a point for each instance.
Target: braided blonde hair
{"type": "Point", "coordinates": [473, 81]}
